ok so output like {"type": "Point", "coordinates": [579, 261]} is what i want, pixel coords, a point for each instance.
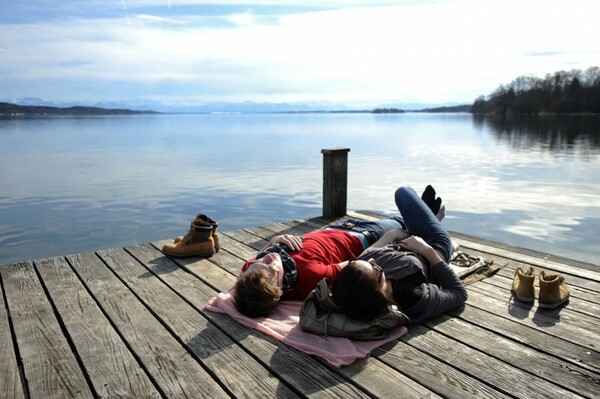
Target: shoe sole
{"type": "Point", "coordinates": [199, 254]}
{"type": "Point", "coordinates": [552, 305]}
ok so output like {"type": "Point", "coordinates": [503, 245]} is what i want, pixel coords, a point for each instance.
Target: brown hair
{"type": "Point", "coordinates": [255, 295]}
{"type": "Point", "coordinates": [357, 294]}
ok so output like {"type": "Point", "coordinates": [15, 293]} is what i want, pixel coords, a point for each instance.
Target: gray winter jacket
{"type": "Point", "coordinates": [421, 290]}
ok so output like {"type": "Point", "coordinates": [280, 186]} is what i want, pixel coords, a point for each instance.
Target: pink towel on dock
{"type": "Point", "coordinates": [284, 325]}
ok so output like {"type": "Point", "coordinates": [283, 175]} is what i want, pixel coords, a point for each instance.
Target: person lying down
{"type": "Point", "coordinates": [400, 260]}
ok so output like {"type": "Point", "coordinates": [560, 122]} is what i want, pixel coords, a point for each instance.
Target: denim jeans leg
{"type": "Point", "coordinates": [420, 221]}
{"type": "Point", "coordinates": [378, 227]}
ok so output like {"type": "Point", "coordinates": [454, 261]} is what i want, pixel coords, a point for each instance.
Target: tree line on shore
{"type": "Point", "coordinates": [34, 110]}
{"type": "Point", "coordinates": [563, 92]}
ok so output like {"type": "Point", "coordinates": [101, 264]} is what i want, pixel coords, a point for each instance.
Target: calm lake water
{"type": "Point", "coordinates": [75, 184]}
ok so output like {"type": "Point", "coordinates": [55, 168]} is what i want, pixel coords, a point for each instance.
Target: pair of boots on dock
{"type": "Point", "coordinates": [201, 240]}
{"type": "Point", "coordinates": [553, 290]}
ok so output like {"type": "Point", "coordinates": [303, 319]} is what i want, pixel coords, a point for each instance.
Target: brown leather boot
{"type": "Point", "coordinates": [553, 291]}
{"type": "Point", "coordinates": [203, 218]}
{"type": "Point", "coordinates": [197, 242]}
{"type": "Point", "coordinates": [522, 286]}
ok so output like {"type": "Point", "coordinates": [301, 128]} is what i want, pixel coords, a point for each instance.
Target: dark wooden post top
{"type": "Point", "coordinates": [335, 181]}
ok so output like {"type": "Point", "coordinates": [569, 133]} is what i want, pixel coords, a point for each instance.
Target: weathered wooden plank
{"type": "Point", "coordinates": [263, 232]}
{"type": "Point", "coordinates": [549, 368]}
{"type": "Point", "coordinates": [174, 370]}
{"type": "Point", "coordinates": [50, 367]}
{"type": "Point", "coordinates": [433, 374]}
{"type": "Point", "coordinates": [561, 323]}
{"type": "Point", "coordinates": [501, 323]}
{"type": "Point", "coordinates": [292, 227]}
{"type": "Point", "coordinates": [297, 226]}
{"type": "Point", "coordinates": [236, 248]}
{"type": "Point", "coordinates": [235, 368]}
{"type": "Point", "coordinates": [112, 369]}
{"type": "Point", "coordinates": [382, 381]}
{"type": "Point", "coordinates": [240, 253]}
{"type": "Point", "coordinates": [308, 375]}
{"type": "Point", "coordinates": [308, 224]}
{"type": "Point", "coordinates": [247, 238]}
{"type": "Point", "coordinates": [500, 375]}
{"type": "Point", "coordinates": [298, 370]}
{"type": "Point", "coordinates": [10, 380]}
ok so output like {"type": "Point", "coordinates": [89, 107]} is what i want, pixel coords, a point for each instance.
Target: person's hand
{"type": "Point", "coordinates": [415, 244]}
{"type": "Point", "coordinates": [294, 243]}
{"type": "Point", "coordinates": [418, 245]}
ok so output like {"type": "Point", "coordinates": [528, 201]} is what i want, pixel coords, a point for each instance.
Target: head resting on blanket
{"type": "Point", "coordinates": [259, 287]}
{"type": "Point", "coordinates": [359, 290]}
{"type": "Point", "coordinates": [255, 294]}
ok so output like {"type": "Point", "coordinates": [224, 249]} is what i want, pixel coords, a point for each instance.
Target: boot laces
{"type": "Point", "coordinates": [189, 234]}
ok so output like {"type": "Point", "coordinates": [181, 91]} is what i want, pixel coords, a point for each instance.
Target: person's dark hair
{"type": "Point", "coordinates": [357, 293]}
{"type": "Point", "coordinates": [255, 295]}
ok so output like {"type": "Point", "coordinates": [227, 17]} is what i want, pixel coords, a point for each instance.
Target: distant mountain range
{"type": "Point", "coordinates": [14, 109]}
{"type": "Point", "coordinates": [149, 106]}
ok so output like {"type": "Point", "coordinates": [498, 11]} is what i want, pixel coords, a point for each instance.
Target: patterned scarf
{"type": "Point", "coordinates": [290, 273]}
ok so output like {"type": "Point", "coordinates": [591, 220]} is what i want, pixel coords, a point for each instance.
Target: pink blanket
{"type": "Point", "coordinates": [284, 326]}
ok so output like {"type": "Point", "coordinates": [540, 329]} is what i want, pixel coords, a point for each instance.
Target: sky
{"type": "Point", "coordinates": [359, 53]}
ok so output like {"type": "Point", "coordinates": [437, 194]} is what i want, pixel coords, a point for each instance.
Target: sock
{"type": "Point", "coordinates": [441, 213]}
{"type": "Point", "coordinates": [435, 208]}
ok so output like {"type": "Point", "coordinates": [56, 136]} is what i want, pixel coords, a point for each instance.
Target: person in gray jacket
{"type": "Point", "coordinates": [407, 268]}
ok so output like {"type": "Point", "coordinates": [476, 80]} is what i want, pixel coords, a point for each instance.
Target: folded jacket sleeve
{"type": "Point", "coordinates": [436, 298]}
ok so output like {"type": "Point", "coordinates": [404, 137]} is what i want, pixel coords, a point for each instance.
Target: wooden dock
{"type": "Point", "coordinates": [130, 323]}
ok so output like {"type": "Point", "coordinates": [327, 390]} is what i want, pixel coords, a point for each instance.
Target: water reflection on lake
{"type": "Point", "coordinates": [78, 184]}
{"type": "Point", "coordinates": [576, 135]}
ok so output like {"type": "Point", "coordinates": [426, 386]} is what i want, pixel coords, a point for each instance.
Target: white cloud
{"type": "Point", "coordinates": [445, 51]}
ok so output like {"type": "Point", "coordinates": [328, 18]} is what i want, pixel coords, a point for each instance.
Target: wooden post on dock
{"type": "Point", "coordinates": [335, 181]}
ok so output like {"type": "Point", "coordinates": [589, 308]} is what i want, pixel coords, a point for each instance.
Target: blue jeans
{"type": "Point", "coordinates": [372, 231]}
{"type": "Point", "coordinates": [416, 218]}
{"type": "Point", "coordinates": [420, 221]}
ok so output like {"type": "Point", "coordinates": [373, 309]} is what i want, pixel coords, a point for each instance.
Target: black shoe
{"type": "Point", "coordinates": [428, 195]}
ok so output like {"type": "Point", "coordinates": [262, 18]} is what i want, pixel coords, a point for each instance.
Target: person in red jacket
{"type": "Point", "coordinates": [289, 266]}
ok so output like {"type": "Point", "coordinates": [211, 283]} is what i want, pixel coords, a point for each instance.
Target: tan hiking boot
{"type": "Point", "coordinates": [553, 291]}
{"type": "Point", "coordinates": [522, 286]}
{"type": "Point", "coordinates": [203, 218]}
{"type": "Point", "coordinates": [197, 242]}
